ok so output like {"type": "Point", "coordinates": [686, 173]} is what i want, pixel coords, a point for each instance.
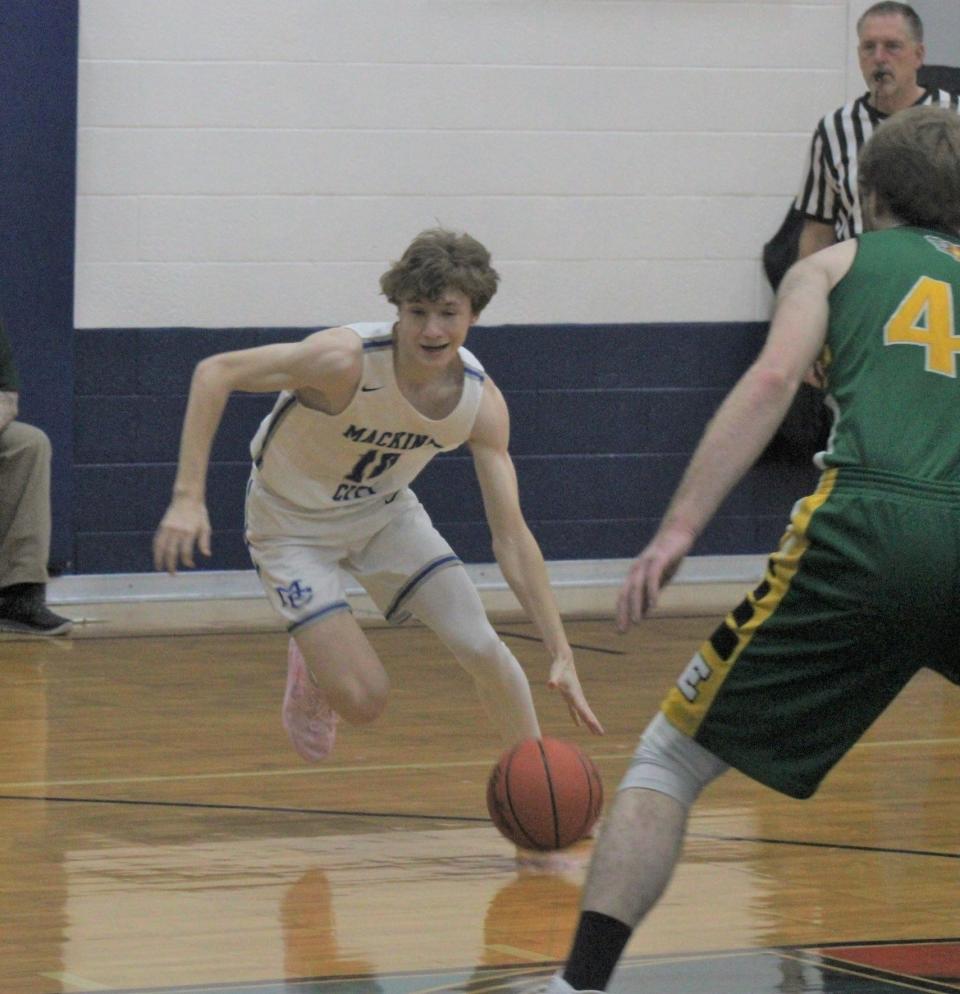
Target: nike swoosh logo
{"type": "Point", "coordinates": [370, 389]}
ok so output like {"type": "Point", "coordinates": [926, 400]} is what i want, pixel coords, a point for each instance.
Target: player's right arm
{"type": "Point", "coordinates": [328, 363]}
{"type": "Point", "coordinates": [743, 425]}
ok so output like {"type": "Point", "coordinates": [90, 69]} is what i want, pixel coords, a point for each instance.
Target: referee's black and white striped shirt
{"type": "Point", "coordinates": [829, 191]}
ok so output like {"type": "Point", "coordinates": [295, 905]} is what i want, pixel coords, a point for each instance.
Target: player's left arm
{"type": "Point", "coordinates": [516, 550]}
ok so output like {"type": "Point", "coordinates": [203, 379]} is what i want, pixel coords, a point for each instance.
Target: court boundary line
{"type": "Point", "coordinates": [573, 645]}
{"type": "Point", "coordinates": [464, 819]}
{"type": "Point", "coordinates": [764, 840]}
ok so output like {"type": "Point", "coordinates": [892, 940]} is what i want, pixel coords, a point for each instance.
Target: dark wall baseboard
{"type": "Point", "coordinates": [603, 422]}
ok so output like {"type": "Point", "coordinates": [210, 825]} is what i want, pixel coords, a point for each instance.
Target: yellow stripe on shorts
{"type": "Point", "coordinates": [687, 703]}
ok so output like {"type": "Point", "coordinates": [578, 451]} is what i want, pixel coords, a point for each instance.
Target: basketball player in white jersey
{"type": "Point", "coordinates": [362, 409]}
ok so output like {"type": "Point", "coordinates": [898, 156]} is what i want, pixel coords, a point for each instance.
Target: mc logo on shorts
{"type": "Point", "coordinates": [294, 596]}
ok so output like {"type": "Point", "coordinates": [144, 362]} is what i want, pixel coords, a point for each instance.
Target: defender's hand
{"type": "Point", "coordinates": [650, 573]}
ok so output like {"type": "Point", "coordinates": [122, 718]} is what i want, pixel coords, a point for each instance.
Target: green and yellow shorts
{"type": "Point", "coordinates": [863, 591]}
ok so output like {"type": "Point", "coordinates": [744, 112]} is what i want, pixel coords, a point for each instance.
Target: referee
{"type": "Point", "coordinates": [890, 50]}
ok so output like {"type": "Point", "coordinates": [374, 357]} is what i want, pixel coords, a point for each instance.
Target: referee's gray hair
{"type": "Point", "coordinates": [914, 24]}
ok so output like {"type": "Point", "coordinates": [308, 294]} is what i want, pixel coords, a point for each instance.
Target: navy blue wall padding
{"type": "Point", "coordinates": [604, 420]}
{"type": "Point", "coordinates": [38, 124]}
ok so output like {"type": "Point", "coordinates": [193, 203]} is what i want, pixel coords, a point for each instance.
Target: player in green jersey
{"type": "Point", "coordinates": [863, 590]}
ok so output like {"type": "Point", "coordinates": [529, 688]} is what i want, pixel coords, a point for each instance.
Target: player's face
{"type": "Point", "coordinates": [430, 331]}
{"type": "Point", "coordinates": [889, 58]}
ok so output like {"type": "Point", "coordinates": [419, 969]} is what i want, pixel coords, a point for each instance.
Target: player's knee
{"type": "Point", "coordinates": [484, 656]}
{"type": "Point", "coordinates": [671, 763]}
{"type": "Point", "coordinates": [362, 699]}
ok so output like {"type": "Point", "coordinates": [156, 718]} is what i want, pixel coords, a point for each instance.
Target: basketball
{"type": "Point", "coordinates": [544, 794]}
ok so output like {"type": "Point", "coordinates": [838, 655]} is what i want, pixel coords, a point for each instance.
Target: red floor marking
{"type": "Point", "coordinates": [931, 960]}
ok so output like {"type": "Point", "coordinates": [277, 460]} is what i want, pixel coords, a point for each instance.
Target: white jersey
{"type": "Point", "coordinates": [373, 448]}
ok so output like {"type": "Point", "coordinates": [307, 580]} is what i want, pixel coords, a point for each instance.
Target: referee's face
{"type": "Point", "coordinates": [889, 60]}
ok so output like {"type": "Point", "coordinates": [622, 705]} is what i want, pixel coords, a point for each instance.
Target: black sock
{"type": "Point", "coordinates": [597, 947]}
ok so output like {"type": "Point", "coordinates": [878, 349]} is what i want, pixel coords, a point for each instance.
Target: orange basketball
{"type": "Point", "coordinates": [544, 794]}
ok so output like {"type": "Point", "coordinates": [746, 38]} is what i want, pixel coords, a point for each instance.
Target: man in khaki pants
{"type": "Point", "coordinates": [24, 514]}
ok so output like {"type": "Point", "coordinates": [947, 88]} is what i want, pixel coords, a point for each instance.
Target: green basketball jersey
{"type": "Point", "coordinates": [893, 351]}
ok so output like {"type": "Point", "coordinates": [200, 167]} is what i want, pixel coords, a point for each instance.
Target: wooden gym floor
{"type": "Point", "coordinates": [160, 835]}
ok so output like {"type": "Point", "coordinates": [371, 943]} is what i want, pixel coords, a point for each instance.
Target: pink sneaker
{"type": "Point", "coordinates": [310, 722]}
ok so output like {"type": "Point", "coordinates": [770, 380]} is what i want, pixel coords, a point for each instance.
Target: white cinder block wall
{"type": "Point", "coordinates": [259, 162]}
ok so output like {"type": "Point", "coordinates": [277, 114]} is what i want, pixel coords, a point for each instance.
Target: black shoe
{"type": "Point", "coordinates": [32, 617]}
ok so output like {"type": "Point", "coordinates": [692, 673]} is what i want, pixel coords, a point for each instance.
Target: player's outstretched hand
{"type": "Point", "coordinates": [563, 677]}
{"type": "Point", "coordinates": [185, 525]}
{"type": "Point", "coordinates": [651, 571]}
